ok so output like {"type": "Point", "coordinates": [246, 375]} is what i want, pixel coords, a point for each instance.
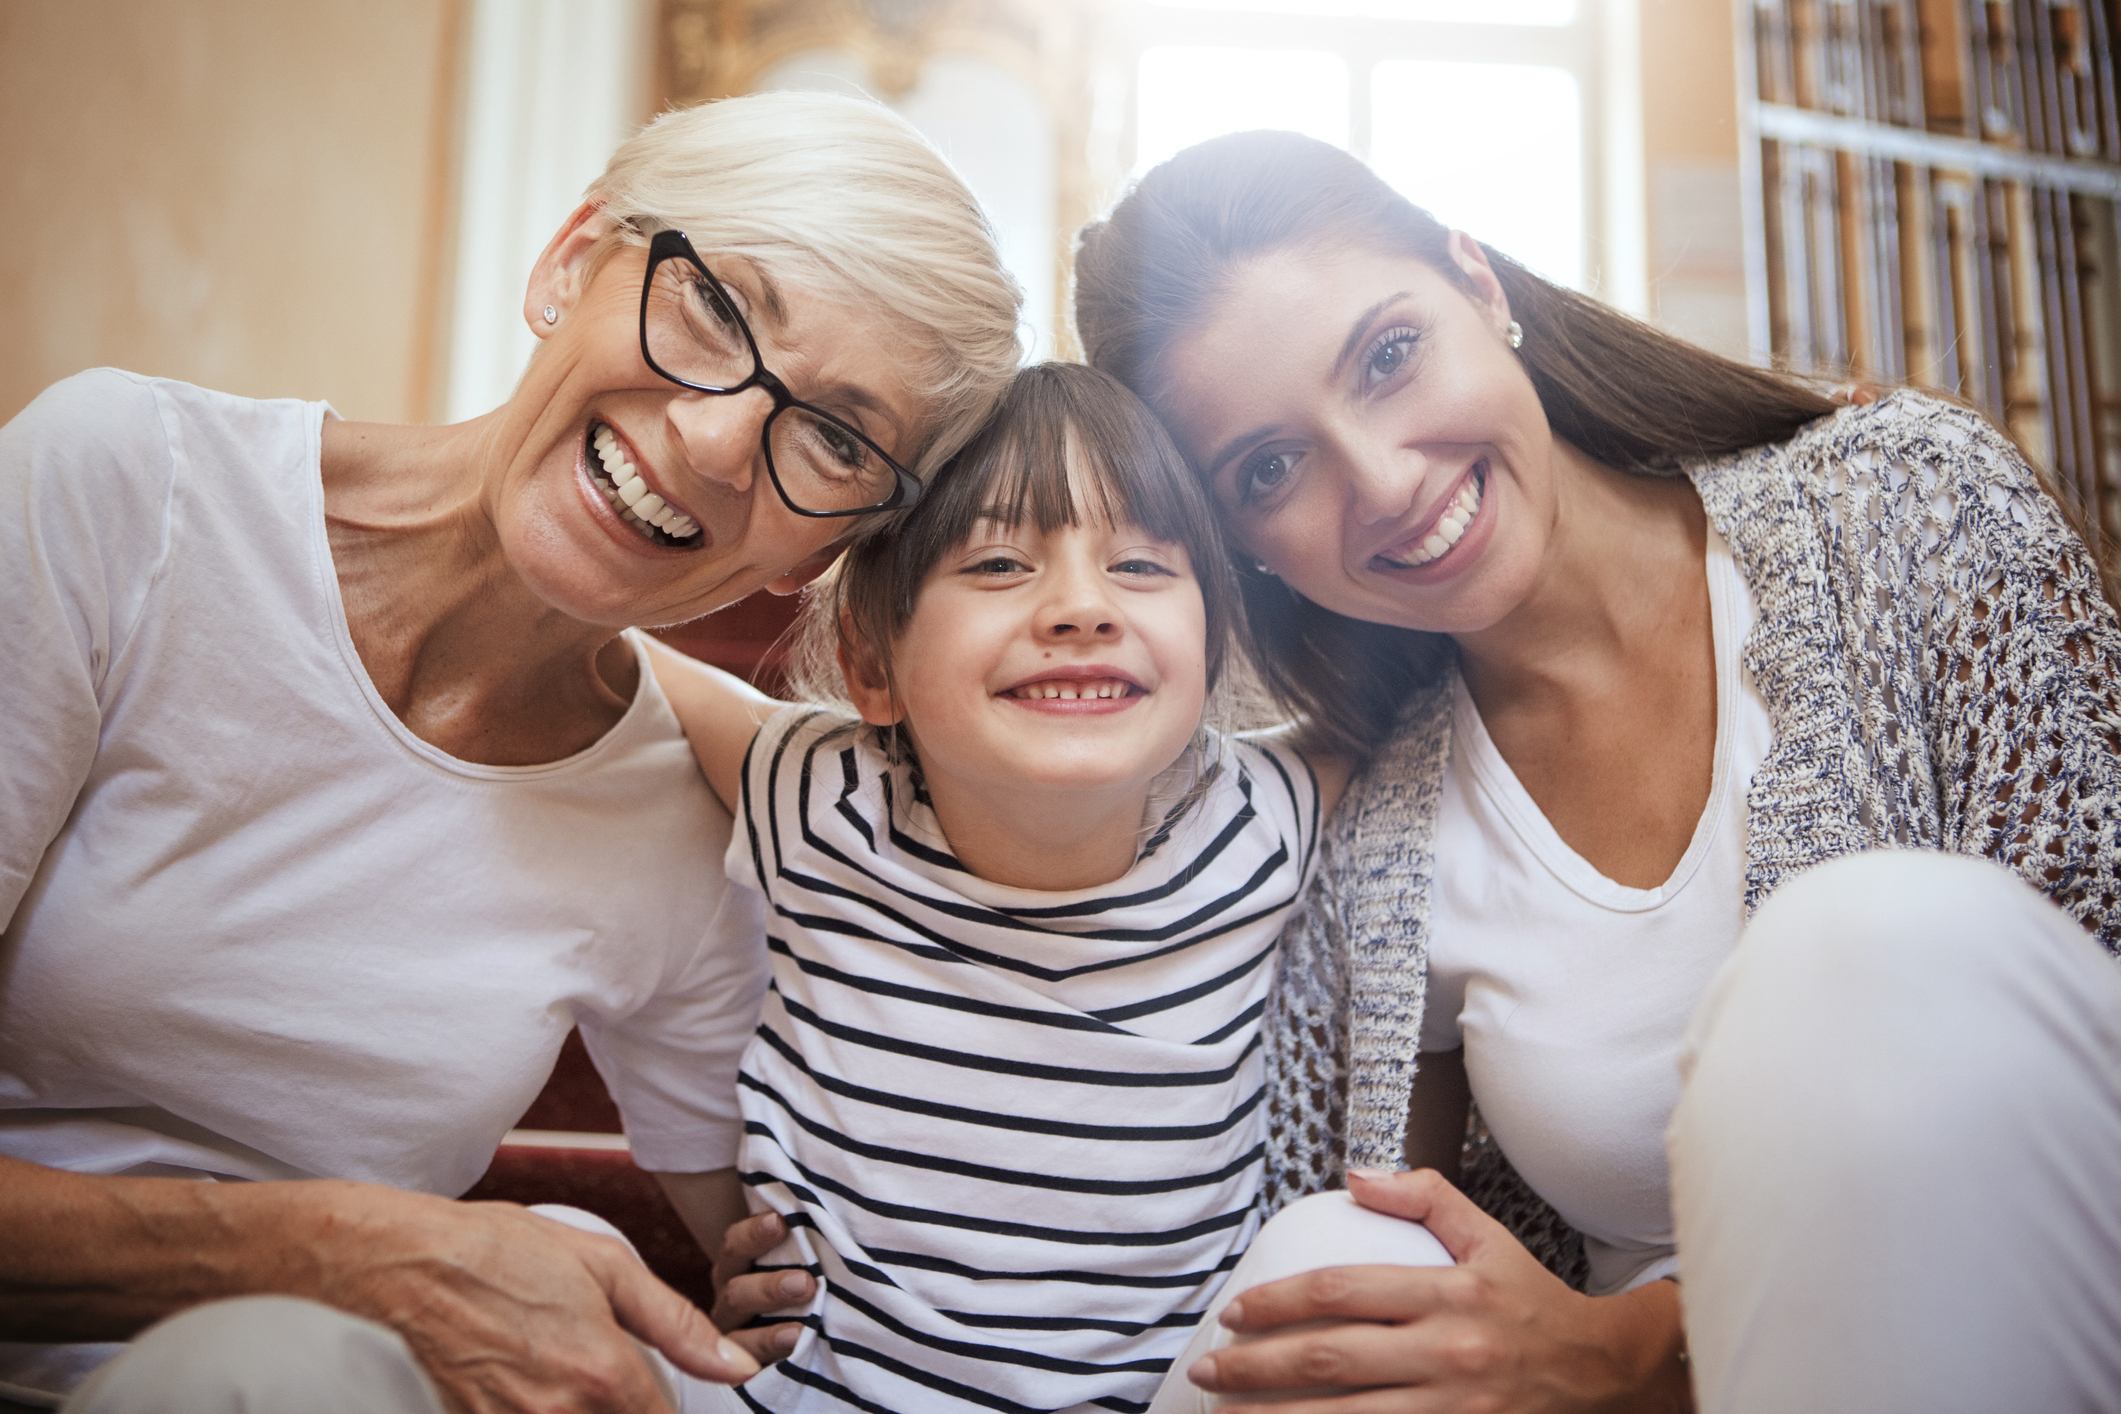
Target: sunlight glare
{"type": "Point", "coordinates": [1190, 93]}
{"type": "Point", "coordinates": [1495, 149]}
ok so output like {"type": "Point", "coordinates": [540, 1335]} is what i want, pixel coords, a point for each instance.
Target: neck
{"type": "Point", "coordinates": [1623, 564]}
{"type": "Point", "coordinates": [1053, 840]}
{"type": "Point", "coordinates": [455, 642]}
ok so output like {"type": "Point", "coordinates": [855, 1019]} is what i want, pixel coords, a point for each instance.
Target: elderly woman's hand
{"type": "Point", "coordinates": [742, 1295]}
{"type": "Point", "coordinates": [507, 1311]}
{"type": "Point", "coordinates": [1496, 1332]}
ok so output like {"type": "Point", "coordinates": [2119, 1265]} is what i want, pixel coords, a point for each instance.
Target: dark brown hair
{"type": "Point", "coordinates": [1622, 392]}
{"type": "Point", "coordinates": [1055, 417]}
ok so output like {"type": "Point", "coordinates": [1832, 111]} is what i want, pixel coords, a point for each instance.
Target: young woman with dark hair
{"type": "Point", "coordinates": [1648, 651]}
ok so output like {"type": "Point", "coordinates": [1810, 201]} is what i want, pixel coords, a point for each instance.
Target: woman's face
{"type": "Point", "coordinates": [699, 453]}
{"type": "Point", "coordinates": [1368, 433]}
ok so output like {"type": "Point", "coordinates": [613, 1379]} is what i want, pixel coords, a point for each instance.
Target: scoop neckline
{"type": "Point", "coordinates": [1493, 777]}
{"type": "Point", "coordinates": [334, 607]}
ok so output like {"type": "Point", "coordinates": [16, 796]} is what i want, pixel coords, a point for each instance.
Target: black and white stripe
{"type": "Point", "coordinates": [1018, 1135]}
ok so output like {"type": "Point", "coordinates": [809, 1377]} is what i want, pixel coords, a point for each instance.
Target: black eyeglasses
{"type": "Point", "coordinates": [692, 334]}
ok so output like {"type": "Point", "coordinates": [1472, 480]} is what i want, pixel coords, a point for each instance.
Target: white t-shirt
{"type": "Point", "coordinates": [1017, 1134]}
{"type": "Point", "coordinates": [254, 927]}
{"type": "Point", "coordinates": [1571, 992]}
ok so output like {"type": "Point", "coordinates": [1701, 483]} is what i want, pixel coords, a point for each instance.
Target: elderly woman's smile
{"type": "Point", "coordinates": [642, 500]}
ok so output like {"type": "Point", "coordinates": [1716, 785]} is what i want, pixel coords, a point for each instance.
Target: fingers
{"type": "Point", "coordinates": [746, 1298]}
{"type": "Point", "coordinates": [1396, 1294]}
{"type": "Point", "coordinates": [660, 1317]}
{"type": "Point", "coordinates": [767, 1344]}
{"type": "Point", "coordinates": [1353, 1356]}
{"type": "Point", "coordinates": [1427, 1197]}
{"type": "Point", "coordinates": [747, 1241]}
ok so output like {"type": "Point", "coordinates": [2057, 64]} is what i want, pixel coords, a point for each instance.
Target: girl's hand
{"type": "Point", "coordinates": [742, 1294]}
{"type": "Point", "coordinates": [1497, 1332]}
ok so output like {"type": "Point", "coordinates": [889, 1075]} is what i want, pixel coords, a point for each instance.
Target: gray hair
{"type": "Point", "coordinates": [845, 191]}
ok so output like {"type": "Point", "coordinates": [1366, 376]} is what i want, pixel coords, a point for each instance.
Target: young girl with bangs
{"type": "Point", "coordinates": [1005, 1095]}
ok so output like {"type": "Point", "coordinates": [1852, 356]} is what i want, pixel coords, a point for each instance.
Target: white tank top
{"type": "Point", "coordinates": [1570, 992]}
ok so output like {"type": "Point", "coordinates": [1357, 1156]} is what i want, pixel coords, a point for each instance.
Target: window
{"type": "Point", "coordinates": [1480, 111]}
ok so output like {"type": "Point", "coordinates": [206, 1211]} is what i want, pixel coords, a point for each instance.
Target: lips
{"type": "Point", "coordinates": [640, 506]}
{"type": "Point", "coordinates": [1443, 532]}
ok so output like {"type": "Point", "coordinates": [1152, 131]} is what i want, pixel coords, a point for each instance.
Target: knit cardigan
{"type": "Point", "coordinates": [1942, 672]}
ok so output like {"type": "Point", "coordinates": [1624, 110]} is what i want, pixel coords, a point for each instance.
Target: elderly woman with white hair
{"type": "Point", "coordinates": [338, 789]}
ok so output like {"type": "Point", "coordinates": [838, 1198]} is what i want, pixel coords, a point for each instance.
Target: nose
{"type": "Point", "coordinates": [1078, 606]}
{"type": "Point", "coordinates": [723, 434]}
{"type": "Point", "coordinates": [1383, 482]}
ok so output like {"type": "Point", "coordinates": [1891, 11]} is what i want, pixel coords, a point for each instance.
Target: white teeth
{"type": "Point", "coordinates": [1071, 692]}
{"type": "Point", "coordinates": [629, 494]}
{"type": "Point", "coordinates": [1448, 530]}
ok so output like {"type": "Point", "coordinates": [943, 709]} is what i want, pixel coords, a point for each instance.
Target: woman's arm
{"type": "Point", "coordinates": [487, 1295]}
{"type": "Point", "coordinates": [719, 712]}
{"type": "Point", "coordinates": [1498, 1331]}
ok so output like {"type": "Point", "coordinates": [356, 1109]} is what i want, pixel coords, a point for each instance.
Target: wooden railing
{"type": "Point", "coordinates": [1931, 191]}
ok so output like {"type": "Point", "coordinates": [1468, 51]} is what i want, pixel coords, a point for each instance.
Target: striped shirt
{"type": "Point", "coordinates": [1016, 1135]}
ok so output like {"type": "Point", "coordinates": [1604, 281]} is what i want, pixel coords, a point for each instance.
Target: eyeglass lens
{"type": "Point", "coordinates": [695, 335]}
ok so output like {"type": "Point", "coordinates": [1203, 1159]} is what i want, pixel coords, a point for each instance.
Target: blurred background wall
{"type": "Point", "coordinates": [249, 194]}
{"type": "Point", "coordinates": [343, 201]}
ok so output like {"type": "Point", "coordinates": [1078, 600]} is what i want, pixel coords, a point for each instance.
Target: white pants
{"type": "Point", "coordinates": [1896, 1162]}
{"type": "Point", "coordinates": [1324, 1230]}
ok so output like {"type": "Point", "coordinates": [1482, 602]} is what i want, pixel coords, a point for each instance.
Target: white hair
{"type": "Point", "coordinates": [845, 190]}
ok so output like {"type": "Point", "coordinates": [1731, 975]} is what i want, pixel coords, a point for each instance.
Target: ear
{"type": "Point", "coordinates": [867, 686]}
{"type": "Point", "coordinates": [557, 278]}
{"type": "Point", "coordinates": [794, 581]}
{"type": "Point", "coordinates": [1472, 262]}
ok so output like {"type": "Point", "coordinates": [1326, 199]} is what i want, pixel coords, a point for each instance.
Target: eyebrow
{"type": "Point", "coordinates": [769, 293]}
{"type": "Point", "coordinates": [1340, 361]}
{"type": "Point", "coordinates": [1362, 326]}
{"type": "Point", "coordinates": [852, 394]}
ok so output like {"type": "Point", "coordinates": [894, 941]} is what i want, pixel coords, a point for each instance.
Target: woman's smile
{"type": "Point", "coordinates": [631, 488]}
{"type": "Point", "coordinates": [1449, 540]}
{"type": "Point", "coordinates": [631, 500]}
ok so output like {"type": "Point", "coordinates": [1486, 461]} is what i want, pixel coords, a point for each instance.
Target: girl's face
{"type": "Point", "coordinates": [1368, 434]}
{"type": "Point", "coordinates": [700, 453]}
{"type": "Point", "coordinates": [1033, 662]}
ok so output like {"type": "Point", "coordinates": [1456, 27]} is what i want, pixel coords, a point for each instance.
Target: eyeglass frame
{"type": "Point", "coordinates": [671, 244]}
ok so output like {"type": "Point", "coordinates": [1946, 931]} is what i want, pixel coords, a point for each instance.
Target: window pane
{"type": "Point", "coordinates": [1496, 149]}
{"type": "Point", "coordinates": [1463, 12]}
{"type": "Point", "coordinates": [1191, 93]}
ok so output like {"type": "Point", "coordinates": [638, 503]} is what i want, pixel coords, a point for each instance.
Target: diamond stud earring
{"type": "Point", "coordinates": [1515, 333]}
{"type": "Point", "coordinates": [552, 316]}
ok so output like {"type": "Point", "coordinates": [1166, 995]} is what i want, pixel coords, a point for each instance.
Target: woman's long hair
{"type": "Point", "coordinates": [1622, 392]}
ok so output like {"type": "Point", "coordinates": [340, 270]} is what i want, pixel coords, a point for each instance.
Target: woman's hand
{"type": "Point", "coordinates": [741, 1294]}
{"type": "Point", "coordinates": [506, 1310]}
{"type": "Point", "coordinates": [1496, 1332]}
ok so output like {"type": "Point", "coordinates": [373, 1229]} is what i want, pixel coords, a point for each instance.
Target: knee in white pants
{"type": "Point", "coordinates": [258, 1354]}
{"type": "Point", "coordinates": [1902, 1097]}
{"type": "Point", "coordinates": [1311, 1234]}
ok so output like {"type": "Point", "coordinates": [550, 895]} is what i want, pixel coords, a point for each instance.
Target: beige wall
{"type": "Point", "coordinates": [246, 194]}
